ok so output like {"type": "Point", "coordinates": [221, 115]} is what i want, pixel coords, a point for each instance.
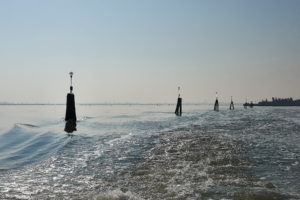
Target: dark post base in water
{"type": "Point", "coordinates": [178, 110]}
{"type": "Point", "coordinates": [71, 112]}
{"type": "Point", "coordinates": [216, 107]}
{"type": "Point", "coordinates": [70, 126]}
{"type": "Point", "coordinates": [231, 107]}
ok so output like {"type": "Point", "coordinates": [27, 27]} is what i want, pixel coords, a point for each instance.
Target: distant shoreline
{"type": "Point", "coordinates": [276, 102]}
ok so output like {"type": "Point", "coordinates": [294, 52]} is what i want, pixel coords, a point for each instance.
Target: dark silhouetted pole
{"type": "Point", "coordinates": [178, 110]}
{"type": "Point", "coordinates": [71, 111]}
{"type": "Point", "coordinates": [246, 104]}
{"type": "Point", "coordinates": [231, 107]}
{"type": "Point", "coordinates": [216, 107]}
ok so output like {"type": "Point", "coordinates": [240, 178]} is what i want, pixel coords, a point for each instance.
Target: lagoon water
{"type": "Point", "coordinates": [146, 152]}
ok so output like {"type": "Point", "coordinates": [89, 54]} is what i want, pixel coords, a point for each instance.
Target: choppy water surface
{"type": "Point", "coordinates": [145, 152]}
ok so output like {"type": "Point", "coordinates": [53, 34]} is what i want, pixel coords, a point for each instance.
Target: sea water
{"type": "Point", "coordinates": [146, 152]}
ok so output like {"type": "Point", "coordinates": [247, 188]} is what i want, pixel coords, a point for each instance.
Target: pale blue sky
{"type": "Point", "coordinates": [140, 51]}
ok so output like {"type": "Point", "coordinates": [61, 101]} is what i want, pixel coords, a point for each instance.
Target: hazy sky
{"type": "Point", "coordinates": [141, 51]}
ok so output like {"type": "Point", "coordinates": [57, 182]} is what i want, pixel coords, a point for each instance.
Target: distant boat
{"type": "Point", "coordinates": [276, 102]}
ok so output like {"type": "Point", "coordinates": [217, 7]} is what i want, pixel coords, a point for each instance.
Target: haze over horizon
{"type": "Point", "coordinates": [141, 51]}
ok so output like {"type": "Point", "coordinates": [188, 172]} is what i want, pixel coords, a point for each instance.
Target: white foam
{"type": "Point", "coordinates": [295, 163]}
{"type": "Point", "coordinates": [116, 195]}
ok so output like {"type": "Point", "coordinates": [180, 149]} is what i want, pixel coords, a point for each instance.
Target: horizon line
{"type": "Point", "coordinates": [107, 103]}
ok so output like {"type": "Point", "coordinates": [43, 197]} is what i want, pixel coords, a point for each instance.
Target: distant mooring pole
{"type": "Point", "coordinates": [71, 86]}
{"type": "Point", "coordinates": [71, 111]}
{"type": "Point", "coordinates": [178, 110]}
{"type": "Point", "coordinates": [231, 107]}
{"type": "Point", "coordinates": [246, 104]}
{"type": "Point", "coordinates": [216, 107]}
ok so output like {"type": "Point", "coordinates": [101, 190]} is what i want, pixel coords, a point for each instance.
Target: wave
{"type": "Point", "coordinates": [24, 144]}
{"type": "Point", "coordinates": [115, 195]}
{"type": "Point", "coordinates": [28, 125]}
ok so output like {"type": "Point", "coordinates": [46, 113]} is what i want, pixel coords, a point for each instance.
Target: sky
{"type": "Point", "coordinates": [141, 51]}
